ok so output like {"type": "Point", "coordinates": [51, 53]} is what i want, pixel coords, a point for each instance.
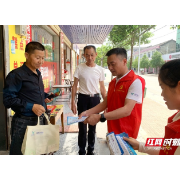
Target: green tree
{"type": "Point", "coordinates": [175, 26]}
{"type": "Point", "coordinates": [135, 63]}
{"type": "Point", "coordinates": [156, 60]}
{"type": "Point", "coordinates": [128, 64]}
{"type": "Point", "coordinates": [101, 58]}
{"type": "Point", "coordinates": [145, 63]}
{"type": "Point", "coordinates": [128, 36]}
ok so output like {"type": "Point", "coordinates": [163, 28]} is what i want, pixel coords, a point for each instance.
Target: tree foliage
{"type": "Point", "coordinates": [135, 63]}
{"type": "Point", "coordinates": [156, 60]}
{"type": "Point", "coordinates": [145, 63]}
{"type": "Point", "coordinates": [128, 36]}
{"type": "Point", "coordinates": [128, 64]}
{"type": "Point", "coordinates": [175, 26]}
{"type": "Point", "coordinates": [101, 54]}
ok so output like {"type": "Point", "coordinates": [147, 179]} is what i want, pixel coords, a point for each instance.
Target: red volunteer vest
{"type": "Point", "coordinates": [116, 99]}
{"type": "Point", "coordinates": [172, 130]}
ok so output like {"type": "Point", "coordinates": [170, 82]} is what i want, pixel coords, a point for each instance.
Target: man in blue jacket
{"type": "Point", "coordinates": [24, 94]}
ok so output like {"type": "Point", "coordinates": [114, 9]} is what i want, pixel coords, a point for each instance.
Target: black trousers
{"type": "Point", "coordinates": [85, 103]}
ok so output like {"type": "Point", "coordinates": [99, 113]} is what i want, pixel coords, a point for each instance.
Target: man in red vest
{"type": "Point", "coordinates": [124, 99]}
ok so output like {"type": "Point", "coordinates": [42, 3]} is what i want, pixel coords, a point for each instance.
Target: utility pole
{"type": "Point", "coordinates": [139, 50]}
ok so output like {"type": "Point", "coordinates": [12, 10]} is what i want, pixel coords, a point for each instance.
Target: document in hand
{"type": "Point", "coordinates": [118, 146]}
{"type": "Point", "coordinates": [72, 120]}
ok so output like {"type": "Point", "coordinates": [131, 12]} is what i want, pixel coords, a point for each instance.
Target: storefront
{"type": "Point", "coordinates": [17, 43]}
{"type": "Point", "coordinates": [68, 63]}
{"type": "Point", "coordinates": [172, 56]}
{"type": "Point", "coordinates": [3, 114]}
{"type": "Point", "coordinates": [75, 57]}
{"type": "Point", "coordinates": [73, 61]}
{"type": "Point", "coordinates": [17, 36]}
{"type": "Point", "coordinates": [50, 68]}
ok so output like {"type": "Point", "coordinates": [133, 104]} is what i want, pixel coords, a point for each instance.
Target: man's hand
{"type": "Point", "coordinates": [38, 109]}
{"type": "Point", "coordinates": [92, 119]}
{"type": "Point", "coordinates": [133, 142]}
{"type": "Point", "coordinates": [82, 114]}
{"type": "Point", "coordinates": [47, 100]}
{"type": "Point", "coordinates": [74, 108]}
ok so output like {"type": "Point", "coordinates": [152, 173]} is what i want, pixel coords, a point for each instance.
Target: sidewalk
{"type": "Point", "coordinates": [69, 141]}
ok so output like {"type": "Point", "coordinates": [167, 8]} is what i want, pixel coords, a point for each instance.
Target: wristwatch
{"type": "Point", "coordinates": [102, 119]}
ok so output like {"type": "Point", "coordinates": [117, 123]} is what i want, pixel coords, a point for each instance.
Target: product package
{"type": "Point", "coordinates": [72, 120]}
{"type": "Point", "coordinates": [118, 146]}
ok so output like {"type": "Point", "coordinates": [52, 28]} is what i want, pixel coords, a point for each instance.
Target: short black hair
{"type": "Point", "coordinates": [33, 45]}
{"type": "Point", "coordinates": [117, 51]}
{"type": "Point", "coordinates": [89, 47]}
{"type": "Point", "coordinates": [169, 73]}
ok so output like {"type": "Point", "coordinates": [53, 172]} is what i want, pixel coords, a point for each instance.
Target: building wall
{"type": "Point", "coordinates": [73, 61]}
{"type": "Point", "coordinates": [178, 41]}
{"type": "Point", "coordinates": [171, 56]}
{"type": "Point", "coordinates": [169, 47]}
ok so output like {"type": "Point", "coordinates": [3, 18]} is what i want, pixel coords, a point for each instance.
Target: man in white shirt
{"type": "Point", "coordinates": [89, 76]}
{"type": "Point", "coordinates": [124, 99]}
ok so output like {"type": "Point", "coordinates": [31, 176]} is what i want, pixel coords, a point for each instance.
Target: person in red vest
{"type": "Point", "coordinates": [124, 99]}
{"type": "Point", "coordinates": [169, 80]}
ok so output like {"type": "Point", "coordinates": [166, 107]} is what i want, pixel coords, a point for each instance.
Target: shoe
{"type": "Point", "coordinates": [80, 153]}
{"type": "Point", "coordinates": [90, 153]}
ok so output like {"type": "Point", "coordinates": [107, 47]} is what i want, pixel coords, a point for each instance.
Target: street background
{"type": "Point", "coordinates": [154, 118]}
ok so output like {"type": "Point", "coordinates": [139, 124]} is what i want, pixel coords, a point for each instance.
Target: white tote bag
{"type": "Point", "coordinates": [41, 139]}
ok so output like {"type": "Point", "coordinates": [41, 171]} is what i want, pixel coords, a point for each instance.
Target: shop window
{"type": "Point", "coordinates": [50, 68]}
{"type": "Point", "coordinates": [149, 54]}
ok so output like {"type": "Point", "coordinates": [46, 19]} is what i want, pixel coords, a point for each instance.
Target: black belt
{"type": "Point", "coordinates": [90, 95]}
{"type": "Point", "coordinates": [35, 118]}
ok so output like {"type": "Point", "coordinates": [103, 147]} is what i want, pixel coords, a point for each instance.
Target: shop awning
{"type": "Point", "coordinates": [86, 34]}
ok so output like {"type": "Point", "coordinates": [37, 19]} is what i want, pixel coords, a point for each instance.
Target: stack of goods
{"type": "Point", "coordinates": [118, 146]}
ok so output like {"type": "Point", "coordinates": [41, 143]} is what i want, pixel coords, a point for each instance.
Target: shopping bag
{"type": "Point", "coordinates": [41, 139]}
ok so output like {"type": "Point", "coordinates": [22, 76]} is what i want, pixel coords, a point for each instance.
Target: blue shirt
{"type": "Point", "coordinates": [23, 88]}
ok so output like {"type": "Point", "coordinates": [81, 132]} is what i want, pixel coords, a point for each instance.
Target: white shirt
{"type": "Point", "coordinates": [89, 78]}
{"type": "Point", "coordinates": [135, 90]}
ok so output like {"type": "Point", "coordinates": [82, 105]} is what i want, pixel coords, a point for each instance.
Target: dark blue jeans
{"type": "Point", "coordinates": [85, 103]}
{"type": "Point", "coordinates": [18, 129]}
